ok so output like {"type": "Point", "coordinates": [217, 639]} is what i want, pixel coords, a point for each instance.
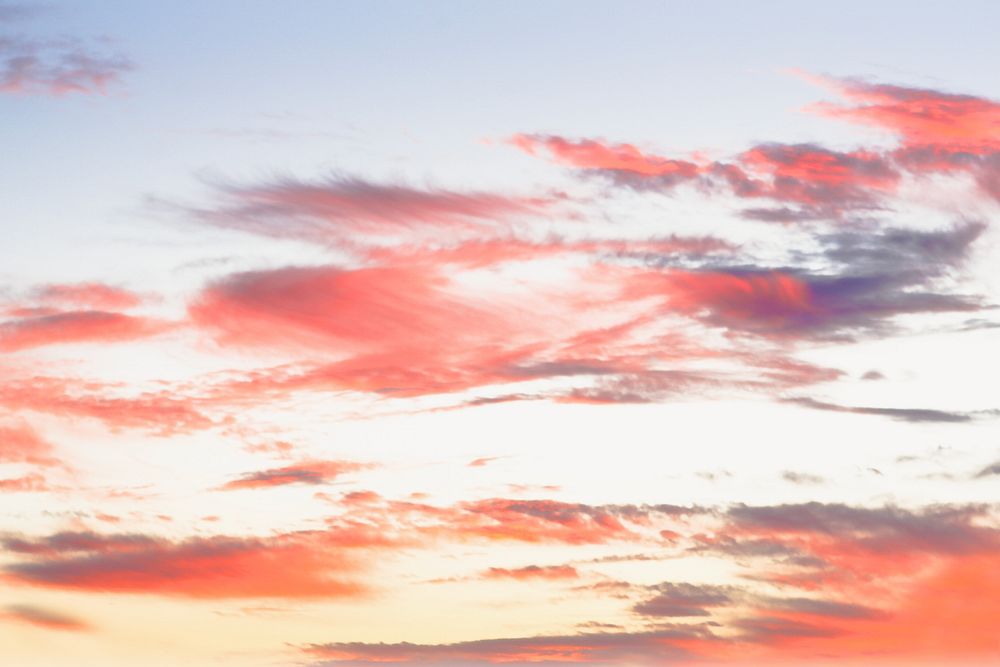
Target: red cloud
{"type": "Point", "coordinates": [938, 132]}
{"type": "Point", "coordinates": [89, 295]}
{"type": "Point", "coordinates": [811, 175]}
{"type": "Point", "coordinates": [597, 155]}
{"type": "Point", "coordinates": [87, 326]}
{"type": "Point", "coordinates": [32, 482]}
{"type": "Point", "coordinates": [403, 330]}
{"type": "Point", "coordinates": [160, 412]}
{"type": "Point", "coordinates": [945, 614]}
{"type": "Point", "coordinates": [482, 461]}
{"type": "Point", "coordinates": [75, 313]}
{"type": "Point", "coordinates": [811, 164]}
{"type": "Point", "coordinates": [344, 310]}
{"type": "Point", "coordinates": [20, 444]}
{"type": "Point", "coordinates": [828, 182]}
{"type": "Point", "coordinates": [919, 116]}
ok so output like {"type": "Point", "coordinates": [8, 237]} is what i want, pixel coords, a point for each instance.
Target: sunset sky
{"type": "Point", "coordinates": [499, 333]}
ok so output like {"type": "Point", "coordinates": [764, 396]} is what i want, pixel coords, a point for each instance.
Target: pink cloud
{"type": "Point", "coordinates": [338, 209]}
{"type": "Point", "coordinates": [57, 67]}
{"type": "Point", "coordinates": [88, 326]}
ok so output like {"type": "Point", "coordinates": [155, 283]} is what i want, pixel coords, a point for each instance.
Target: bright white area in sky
{"type": "Point", "coordinates": [121, 188]}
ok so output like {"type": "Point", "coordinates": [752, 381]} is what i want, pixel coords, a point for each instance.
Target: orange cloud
{"type": "Point", "coordinates": [42, 618]}
{"type": "Point", "coordinates": [293, 565]}
{"type": "Point", "coordinates": [31, 482]}
{"type": "Point", "coordinates": [551, 572]}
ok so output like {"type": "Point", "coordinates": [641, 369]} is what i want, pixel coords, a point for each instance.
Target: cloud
{"type": "Point", "coordinates": [526, 521]}
{"type": "Point", "coordinates": [305, 472]}
{"type": "Point", "coordinates": [19, 443]}
{"type": "Point", "coordinates": [779, 630]}
{"type": "Point", "coordinates": [482, 461]}
{"type": "Point", "coordinates": [537, 521]}
{"type": "Point", "coordinates": [90, 326]}
{"type": "Point", "coordinates": [75, 313]}
{"type": "Point", "coordinates": [405, 330]}
{"type": "Point", "coordinates": [939, 132]}
{"type": "Point", "coordinates": [531, 572]}
{"type": "Point", "coordinates": [402, 307]}
{"type": "Point", "coordinates": [291, 565]}
{"type": "Point", "coordinates": [754, 301]}
{"type": "Point", "coordinates": [406, 321]}
{"type": "Point", "coordinates": [801, 477]}
{"type": "Point", "coordinates": [89, 295]}
{"type": "Point", "coordinates": [683, 599]}
{"type": "Point", "coordinates": [823, 182]}
{"type": "Point", "coordinates": [889, 530]}
{"type": "Point", "coordinates": [338, 209]}
{"type": "Point", "coordinates": [914, 415]}
{"type": "Point", "coordinates": [162, 412]}
{"type": "Point", "coordinates": [663, 646]}
{"type": "Point", "coordinates": [328, 563]}
{"type": "Point", "coordinates": [42, 618]}
{"type": "Point", "coordinates": [622, 162]}
{"type": "Point", "coordinates": [989, 471]}
{"type": "Point", "coordinates": [919, 116]}
{"type": "Point", "coordinates": [855, 284]}
{"type": "Point", "coordinates": [32, 482]}
{"type": "Point", "coordinates": [57, 67]}
{"type": "Point", "coordinates": [802, 171]}
{"type": "Point", "coordinates": [831, 608]}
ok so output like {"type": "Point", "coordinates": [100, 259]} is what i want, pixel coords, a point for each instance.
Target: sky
{"type": "Point", "coordinates": [479, 333]}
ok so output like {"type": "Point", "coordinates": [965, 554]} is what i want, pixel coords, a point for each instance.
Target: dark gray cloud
{"type": "Point", "coordinates": [916, 415]}
{"type": "Point", "coordinates": [592, 648]}
{"type": "Point", "coordinates": [946, 529]}
{"type": "Point", "coordinates": [768, 629]}
{"type": "Point", "coordinates": [682, 599]}
{"type": "Point", "coordinates": [989, 471]}
{"type": "Point", "coordinates": [801, 477]}
{"type": "Point", "coordinates": [815, 607]}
